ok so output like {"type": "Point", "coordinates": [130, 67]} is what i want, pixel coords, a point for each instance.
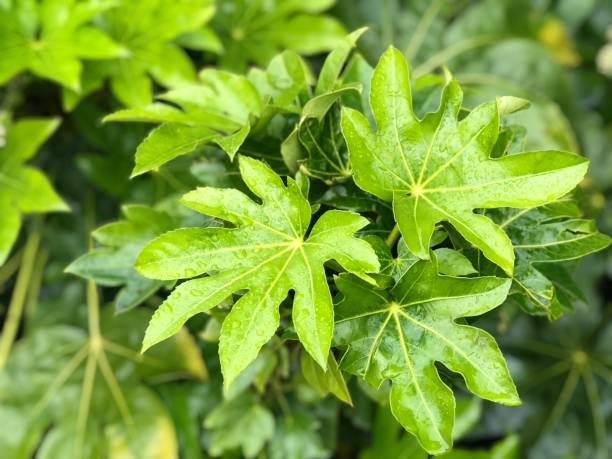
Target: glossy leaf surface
{"type": "Point", "coordinates": [399, 334]}
{"type": "Point", "coordinates": [438, 168]}
{"type": "Point", "coordinates": [267, 253]}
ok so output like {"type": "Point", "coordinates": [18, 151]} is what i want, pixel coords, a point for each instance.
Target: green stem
{"type": "Point", "coordinates": [599, 421]}
{"type": "Point", "coordinates": [93, 311]}
{"type": "Point", "coordinates": [393, 236]}
{"type": "Point", "coordinates": [453, 51]}
{"type": "Point", "coordinates": [10, 267]}
{"type": "Point", "coordinates": [416, 41]}
{"type": "Point", "coordinates": [16, 306]}
{"type": "Point", "coordinates": [35, 284]}
{"type": "Point", "coordinates": [564, 398]}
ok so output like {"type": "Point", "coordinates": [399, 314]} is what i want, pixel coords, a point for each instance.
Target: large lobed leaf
{"type": "Point", "coordinates": [267, 253]}
{"type": "Point", "coordinates": [439, 168]}
{"type": "Point", "coordinates": [399, 334]}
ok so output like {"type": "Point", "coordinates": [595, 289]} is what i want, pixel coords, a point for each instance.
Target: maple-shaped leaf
{"type": "Point", "coordinates": [267, 253]}
{"type": "Point", "coordinates": [439, 168]}
{"type": "Point", "coordinates": [147, 30]}
{"type": "Point", "coordinates": [543, 237]}
{"type": "Point", "coordinates": [399, 334]}
{"type": "Point", "coordinates": [50, 37]}
{"type": "Point", "coordinates": [24, 189]}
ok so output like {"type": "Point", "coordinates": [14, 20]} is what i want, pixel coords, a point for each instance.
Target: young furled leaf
{"type": "Point", "coordinates": [217, 110]}
{"type": "Point", "coordinates": [24, 189]}
{"type": "Point", "coordinates": [543, 237]}
{"type": "Point", "coordinates": [439, 168]}
{"type": "Point", "coordinates": [267, 253]}
{"type": "Point", "coordinates": [399, 334]}
{"type": "Point", "coordinates": [50, 37]}
{"type": "Point", "coordinates": [150, 49]}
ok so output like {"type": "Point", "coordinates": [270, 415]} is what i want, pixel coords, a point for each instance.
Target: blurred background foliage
{"type": "Point", "coordinates": [59, 399]}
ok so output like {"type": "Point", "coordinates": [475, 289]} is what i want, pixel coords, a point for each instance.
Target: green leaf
{"type": "Point", "coordinates": [24, 189]}
{"type": "Point", "coordinates": [399, 334]}
{"type": "Point", "coordinates": [217, 110]}
{"type": "Point", "coordinates": [325, 381]}
{"type": "Point", "coordinates": [146, 30]}
{"type": "Point", "coordinates": [439, 168]}
{"type": "Point", "coordinates": [112, 264]}
{"type": "Point", "coordinates": [390, 265]}
{"type": "Point", "coordinates": [255, 32]}
{"type": "Point", "coordinates": [240, 422]}
{"type": "Point", "coordinates": [453, 263]}
{"type": "Point", "coordinates": [51, 38]}
{"type": "Point", "coordinates": [266, 254]}
{"type": "Point", "coordinates": [543, 237]}
{"type": "Point", "coordinates": [298, 436]}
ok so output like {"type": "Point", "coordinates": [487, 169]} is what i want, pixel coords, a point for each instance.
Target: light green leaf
{"type": "Point", "coordinates": [50, 39]}
{"type": "Point", "coordinates": [167, 142]}
{"type": "Point", "coordinates": [24, 189]}
{"type": "Point", "coordinates": [325, 381]}
{"type": "Point", "coordinates": [400, 334]}
{"type": "Point", "coordinates": [253, 32]}
{"type": "Point", "coordinates": [267, 254]}
{"type": "Point", "coordinates": [216, 110]}
{"type": "Point", "coordinates": [438, 168]}
{"type": "Point", "coordinates": [149, 53]}
{"type": "Point", "coordinates": [453, 263]}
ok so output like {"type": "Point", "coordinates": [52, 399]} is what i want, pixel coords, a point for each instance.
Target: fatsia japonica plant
{"type": "Point", "coordinates": [331, 165]}
{"type": "Point", "coordinates": [249, 233]}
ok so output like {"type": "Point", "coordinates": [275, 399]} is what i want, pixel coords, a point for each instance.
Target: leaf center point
{"type": "Point", "coordinates": [417, 190]}
{"type": "Point", "coordinates": [296, 243]}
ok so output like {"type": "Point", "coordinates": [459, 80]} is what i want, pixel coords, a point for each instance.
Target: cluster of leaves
{"type": "Point", "coordinates": [300, 228]}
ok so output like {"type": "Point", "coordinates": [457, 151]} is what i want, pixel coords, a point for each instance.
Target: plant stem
{"type": "Point", "coordinates": [35, 284]}
{"type": "Point", "coordinates": [393, 236]}
{"type": "Point", "coordinates": [422, 28]}
{"type": "Point", "coordinates": [10, 267]}
{"type": "Point", "coordinates": [599, 421]}
{"type": "Point", "coordinates": [16, 306]}
{"type": "Point", "coordinates": [93, 311]}
{"type": "Point", "coordinates": [445, 55]}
